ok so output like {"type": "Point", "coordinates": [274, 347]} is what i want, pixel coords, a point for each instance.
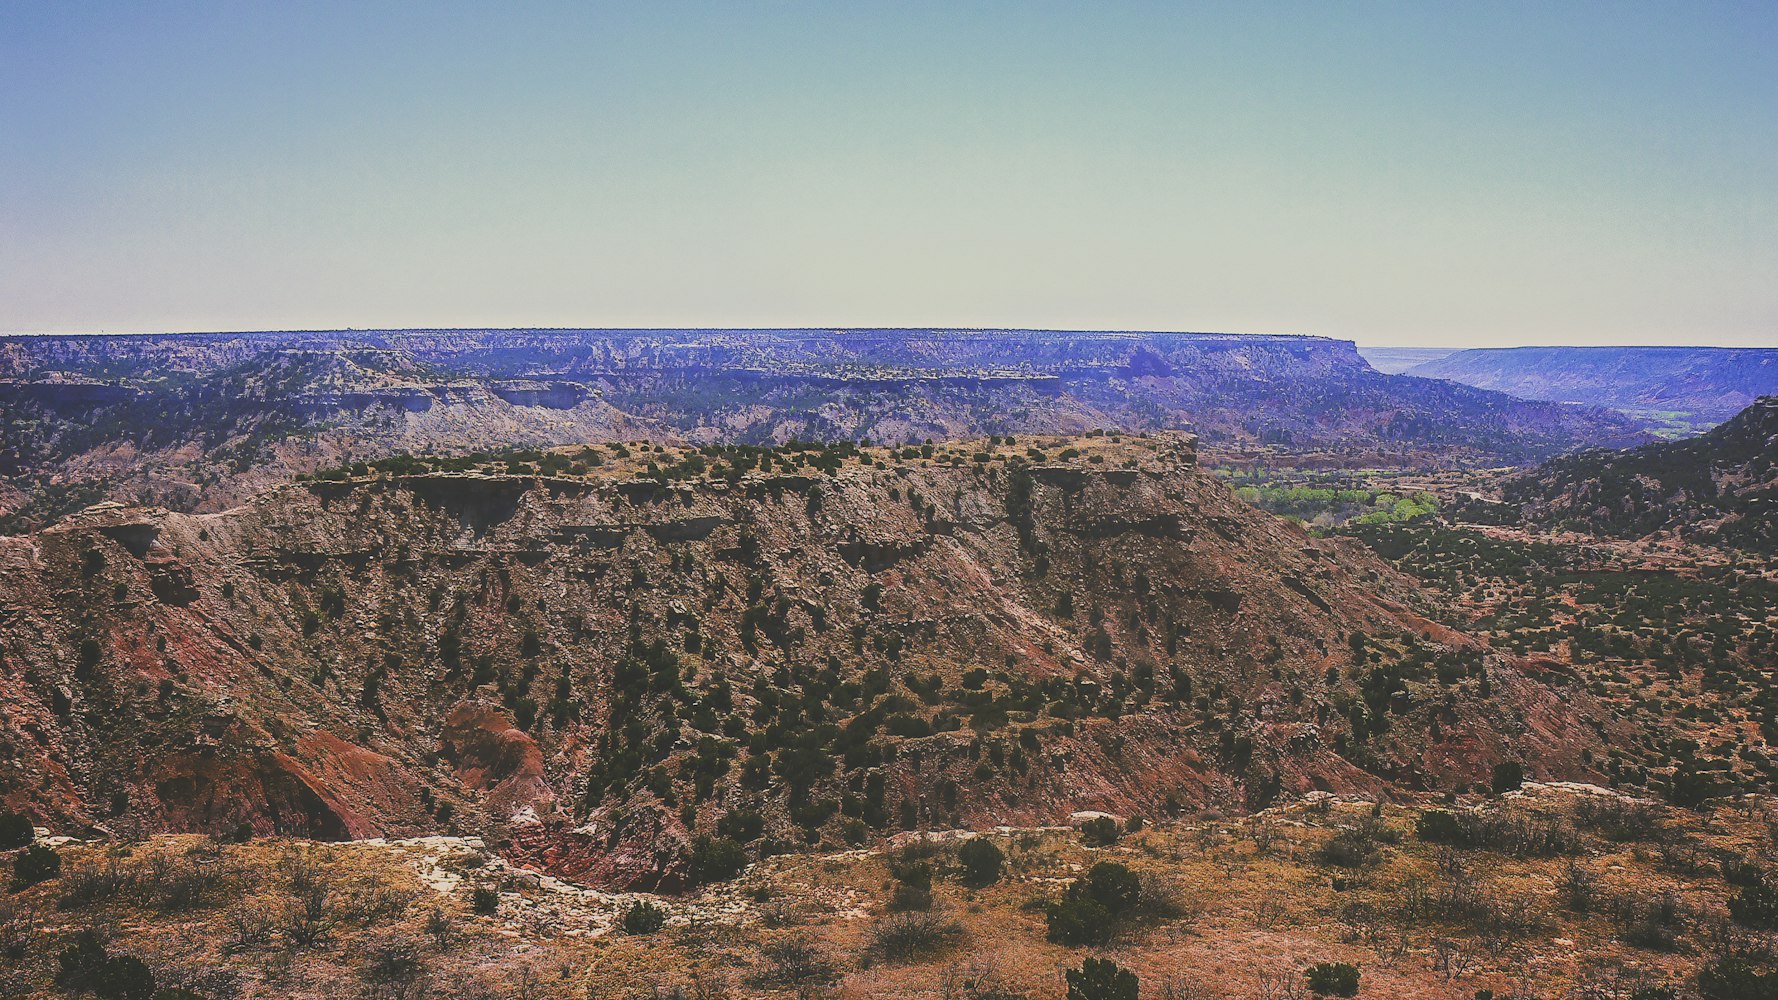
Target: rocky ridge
{"type": "Point", "coordinates": [1720, 488]}
{"type": "Point", "coordinates": [596, 667]}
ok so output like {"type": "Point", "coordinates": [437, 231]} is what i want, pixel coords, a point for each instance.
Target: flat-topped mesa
{"type": "Point", "coordinates": [643, 470]}
{"type": "Point", "coordinates": [598, 495]}
{"type": "Point", "coordinates": [814, 352]}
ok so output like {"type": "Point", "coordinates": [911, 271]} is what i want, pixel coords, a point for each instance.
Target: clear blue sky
{"type": "Point", "coordinates": [1413, 173]}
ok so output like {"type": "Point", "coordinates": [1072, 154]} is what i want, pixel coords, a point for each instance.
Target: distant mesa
{"type": "Point", "coordinates": [1685, 389]}
{"type": "Point", "coordinates": [199, 422]}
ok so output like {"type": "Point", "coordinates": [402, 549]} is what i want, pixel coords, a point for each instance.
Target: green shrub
{"type": "Point", "coordinates": [1111, 885]}
{"type": "Point", "coordinates": [85, 966]}
{"type": "Point", "coordinates": [124, 977]}
{"type": "Point", "coordinates": [643, 917]}
{"type": "Point", "coordinates": [1691, 787]}
{"type": "Point", "coordinates": [15, 831]}
{"type": "Point", "coordinates": [1743, 872]}
{"type": "Point", "coordinates": [1438, 826]}
{"type": "Point", "coordinates": [439, 926]}
{"type": "Point", "coordinates": [716, 859]}
{"type": "Point", "coordinates": [1509, 775]}
{"type": "Point", "coordinates": [1101, 979]}
{"type": "Point", "coordinates": [484, 901]}
{"type": "Point", "coordinates": [912, 867]}
{"type": "Point", "coordinates": [1737, 977]}
{"type": "Point", "coordinates": [742, 825]}
{"type": "Point", "coordinates": [981, 861]}
{"type": "Point", "coordinates": [1100, 831]}
{"type": "Point", "coordinates": [903, 724]}
{"type": "Point", "coordinates": [917, 852]}
{"type": "Point", "coordinates": [34, 864]}
{"type": "Point", "coordinates": [78, 962]}
{"type": "Point", "coordinates": [1349, 849]}
{"type": "Point", "coordinates": [1090, 911]}
{"type": "Point", "coordinates": [1333, 979]}
{"type": "Point", "coordinates": [1080, 923]}
{"type": "Point", "coordinates": [812, 815]}
{"type": "Point", "coordinates": [1756, 906]}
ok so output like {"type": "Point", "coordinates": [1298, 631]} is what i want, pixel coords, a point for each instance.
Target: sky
{"type": "Point", "coordinates": [1449, 174]}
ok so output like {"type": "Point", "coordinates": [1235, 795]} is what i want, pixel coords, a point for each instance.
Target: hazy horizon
{"type": "Point", "coordinates": [1397, 175]}
{"type": "Point", "coordinates": [838, 328]}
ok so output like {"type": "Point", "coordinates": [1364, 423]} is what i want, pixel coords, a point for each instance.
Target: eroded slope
{"type": "Point", "coordinates": [821, 644]}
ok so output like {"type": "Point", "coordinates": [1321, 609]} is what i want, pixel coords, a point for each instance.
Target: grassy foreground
{"type": "Point", "coordinates": [1545, 892]}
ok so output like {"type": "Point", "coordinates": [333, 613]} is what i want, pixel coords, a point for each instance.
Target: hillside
{"type": "Point", "coordinates": [1691, 387]}
{"type": "Point", "coordinates": [1719, 488]}
{"type": "Point", "coordinates": [595, 657]}
{"type": "Point", "coordinates": [201, 422]}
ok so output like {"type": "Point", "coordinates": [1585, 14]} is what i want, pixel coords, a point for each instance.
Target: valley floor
{"type": "Point", "coordinates": [1551, 891]}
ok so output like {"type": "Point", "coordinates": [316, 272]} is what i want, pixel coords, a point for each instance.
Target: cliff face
{"type": "Point", "coordinates": [199, 422]}
{"type": "Point", "coordinates": [595, 667]}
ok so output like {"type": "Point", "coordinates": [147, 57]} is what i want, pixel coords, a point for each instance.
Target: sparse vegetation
{"type": "Point", "coordinates": [742, 703]}
{"type": "Point", "coordinates": [1465, 908]}
{"type": "Point", "coordinates": [913, 936]}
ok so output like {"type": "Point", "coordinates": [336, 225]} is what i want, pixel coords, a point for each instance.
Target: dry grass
{"type": "Point", "coordinates": [1246, 906]}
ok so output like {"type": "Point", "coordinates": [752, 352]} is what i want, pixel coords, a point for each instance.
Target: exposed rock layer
{"type": "Point", "coordinates": [599, 667]}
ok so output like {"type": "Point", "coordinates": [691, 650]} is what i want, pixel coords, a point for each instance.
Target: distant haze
{"type": "Point", "coordinates": [1395, 360]}
{"type": "Point", "coordinates": [1392, 173]}
{"type": "Point", "coordinates": [1692, 387]}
